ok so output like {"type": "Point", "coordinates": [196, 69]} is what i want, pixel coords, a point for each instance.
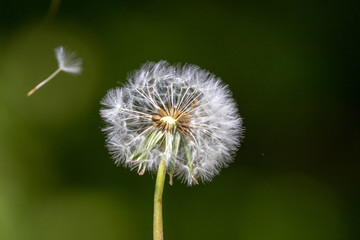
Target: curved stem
{"type": "Point", "coordinates": [159, 187]}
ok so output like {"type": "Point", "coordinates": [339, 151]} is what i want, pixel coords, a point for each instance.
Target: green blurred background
{"type": "Point", "coordinates": [293, 67]}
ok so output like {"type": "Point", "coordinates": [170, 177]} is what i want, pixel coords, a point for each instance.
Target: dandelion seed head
{"type": "Point", "coordinates": [68, 61]}
{"type": "Point", "coordinates": [181, 114]}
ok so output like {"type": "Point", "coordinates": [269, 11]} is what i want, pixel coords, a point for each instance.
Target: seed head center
{"type": "Point", "coordinates": [168, 120]}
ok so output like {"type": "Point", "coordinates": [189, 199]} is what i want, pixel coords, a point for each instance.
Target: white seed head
{"type": "Point", "coordinates": [68, 61]}
{"type": "Point", "coordinates": [184, 115]}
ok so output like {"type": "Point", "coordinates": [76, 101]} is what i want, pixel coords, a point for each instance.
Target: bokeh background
{"type": "Point", "coordinates": [293, 67]}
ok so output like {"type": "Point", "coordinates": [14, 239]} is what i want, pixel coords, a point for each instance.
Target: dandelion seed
{"type": "Point", "coordinates": [183, 116]}
{"type": "Point", "coordinates": [67, 62]}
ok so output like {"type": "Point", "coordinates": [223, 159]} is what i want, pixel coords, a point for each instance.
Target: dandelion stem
{"type": "Point", "coordinates": [43, 82]}
{"type": "Point", "coordinates": [159, 187]}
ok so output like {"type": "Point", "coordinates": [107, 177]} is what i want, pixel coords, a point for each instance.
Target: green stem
{"type": "Point", "coordinates": [159, 188]}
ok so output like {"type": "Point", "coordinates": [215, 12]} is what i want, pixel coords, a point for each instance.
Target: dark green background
{"type": "Point", "coordinates": [293, 67]}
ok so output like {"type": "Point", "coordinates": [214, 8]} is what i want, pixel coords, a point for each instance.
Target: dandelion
{"type": "Point", "coordinates": [67, 62]}
{"type": "Point", "coordinates": [177, 120]}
